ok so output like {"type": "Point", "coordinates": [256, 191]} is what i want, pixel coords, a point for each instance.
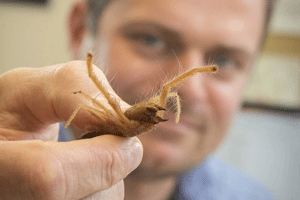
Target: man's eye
{"type": "Point", "coordinates": [149, 45]}
{"type": "Point", "coordinates": [229, 66]}
{"type": "Point", "coordinates": [224, 62]}
{"type": "Point", "coordinates": [152, 41]}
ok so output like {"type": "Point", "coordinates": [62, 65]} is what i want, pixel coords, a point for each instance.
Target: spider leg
{"type": "Point", "coordinates": [166, 88]}
{"type": "Point", "coordinates": [94, 101]}
{"type": "Point", "coordinates": [96, 113]}
{"type": "Point", "coordinates": [104, 116]}
{"type": "Point", "coordinates": [173, 94]}
{"type": "Point", "coordinates": [112, 102]}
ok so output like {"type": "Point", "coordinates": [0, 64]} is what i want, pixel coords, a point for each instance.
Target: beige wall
{"type": "Point", "coordinates": [33, 36]}
{"type": "Point", "coordinates": [36, 37]}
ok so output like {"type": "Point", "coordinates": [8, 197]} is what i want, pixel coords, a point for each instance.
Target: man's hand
{"type": "Point", "coordinates": [33, 165]}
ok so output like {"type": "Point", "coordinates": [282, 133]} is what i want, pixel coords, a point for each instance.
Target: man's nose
{"type": "Point", "coordinates": [193, 90]}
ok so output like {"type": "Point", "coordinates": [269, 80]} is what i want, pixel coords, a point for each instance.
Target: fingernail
{"type": "Point", "coordinates": [136, 151]}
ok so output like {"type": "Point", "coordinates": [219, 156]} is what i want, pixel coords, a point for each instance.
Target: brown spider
{"type": "Point", "coordinates": [137, 119]}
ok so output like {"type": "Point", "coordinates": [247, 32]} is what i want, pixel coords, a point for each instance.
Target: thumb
{"type": "Point", "coordinates": [115, 192]}
{"type": "Point", "coordinates": [97, 163]}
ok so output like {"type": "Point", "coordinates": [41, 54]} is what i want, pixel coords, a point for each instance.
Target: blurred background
{"type": "Point", "coordinates": [264, 141]}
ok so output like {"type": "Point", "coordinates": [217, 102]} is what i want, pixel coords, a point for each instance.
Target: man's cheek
{"type": "Point", "coordinates": [227, 104]}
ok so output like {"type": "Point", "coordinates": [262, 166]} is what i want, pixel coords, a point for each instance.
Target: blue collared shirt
{"type": "Point", "coordinates": [215, 180]}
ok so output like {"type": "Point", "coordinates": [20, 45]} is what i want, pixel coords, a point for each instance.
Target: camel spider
{"type": "Point", "coordinates": [137, 119]}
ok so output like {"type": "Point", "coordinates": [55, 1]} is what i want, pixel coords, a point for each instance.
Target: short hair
{"type": "Point", "coordinates": [96, 8]}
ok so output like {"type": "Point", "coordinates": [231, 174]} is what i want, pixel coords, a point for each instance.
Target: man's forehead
{"type": "Point", "coordinates": [234, 18]}
{"type": "Point", "coordinates": [215, 3]}
{"type": "Point", "coordinates": [181, 10]}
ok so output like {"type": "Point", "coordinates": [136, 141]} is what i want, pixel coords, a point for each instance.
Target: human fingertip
{"type": "Point", "coordinates": [136, 152]}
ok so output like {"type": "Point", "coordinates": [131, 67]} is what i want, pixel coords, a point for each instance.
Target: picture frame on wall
{"type": "Point", "coordinates": [275, 80]}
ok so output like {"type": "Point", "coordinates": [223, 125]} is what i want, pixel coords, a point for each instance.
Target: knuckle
{"type": "Point", "coordinates": [75, 64]}
{"type": "Point", "coordinates": [44, 174]}
{"type": "Point", "coordinates": [72, 68]}
{"type": "Point", "coordinates": [112, 167]}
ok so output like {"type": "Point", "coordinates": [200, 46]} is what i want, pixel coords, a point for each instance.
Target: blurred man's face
{"type": "Point", "coordinates": [143, 44]}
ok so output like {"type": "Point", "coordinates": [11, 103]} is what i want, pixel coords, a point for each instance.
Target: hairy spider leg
{"type": "Point", "coordinates": [173, 94]}
{"type": "Point", "coordinates": [104, 116]}
{"type": "Point", "coordinates": [166, 88]}
{"type": "Point", "coordinates": [95, 112]}
{"type": "Point", "coordinates": [95, 102]}
{"type": "Point", "coordinates": [112, 102]}
{"type": "Point", "coordinates": [89, 109]}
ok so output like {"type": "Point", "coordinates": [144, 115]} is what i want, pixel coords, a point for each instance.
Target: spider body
{"type": "Point", "coordinates": [139, 118]}
{"type": "Point", "coordinates": [142, 118]}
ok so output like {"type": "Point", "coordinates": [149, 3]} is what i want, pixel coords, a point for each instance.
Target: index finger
{"type": "Point", "coordinates": [45, 96]}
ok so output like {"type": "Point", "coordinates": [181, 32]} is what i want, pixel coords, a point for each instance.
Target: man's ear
{"type": "Point", "coordinates": [77, 28]}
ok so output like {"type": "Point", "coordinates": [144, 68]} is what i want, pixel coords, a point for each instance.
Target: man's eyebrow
{"type": "Point", "coordinates": [232, 50]}
{"type": "Point", "coordinates": [154, 26]}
